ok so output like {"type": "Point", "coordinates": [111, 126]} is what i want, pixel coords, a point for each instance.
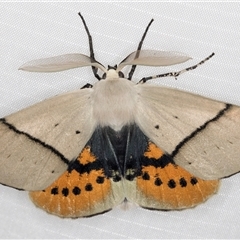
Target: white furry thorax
{"type": "Point", "coordinates": [114, 101]}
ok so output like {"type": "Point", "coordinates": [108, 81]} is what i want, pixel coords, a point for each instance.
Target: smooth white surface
{"type": "Point", "coordinates": [35, 30]}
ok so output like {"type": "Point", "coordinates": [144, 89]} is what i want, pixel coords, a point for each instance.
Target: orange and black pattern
{"type": "Point", "coordinates": [88, 187]}
{"type": "Point", "coordinates": [169, 185]}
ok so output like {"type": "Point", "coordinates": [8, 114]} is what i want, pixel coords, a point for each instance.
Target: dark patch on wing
{"type": "Point", "coordinates": [119, 154]}
{"type": "Point", "coordinates": [116, 152]}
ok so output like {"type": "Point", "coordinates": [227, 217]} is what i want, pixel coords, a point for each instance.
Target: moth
{"type": "Point", "coordinates": [83, 152]}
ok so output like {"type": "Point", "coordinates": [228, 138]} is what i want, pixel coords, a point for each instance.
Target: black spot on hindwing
{"type": "Point", "coordinates": [76, 190]}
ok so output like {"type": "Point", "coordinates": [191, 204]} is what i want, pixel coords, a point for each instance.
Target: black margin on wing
{"type": "Point", "coordinates": [36, 140]}
{"type": "Point", "coordinates": [199, 129]}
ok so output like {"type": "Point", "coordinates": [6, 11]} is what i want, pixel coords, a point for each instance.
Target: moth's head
{"type": "Point", "coordinates": [112, 73]}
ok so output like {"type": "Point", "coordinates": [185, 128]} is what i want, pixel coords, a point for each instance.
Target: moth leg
{"type": "Point", "coordinates": [176, 74]}
{"type": "Point", "coordinates": [88, 85]}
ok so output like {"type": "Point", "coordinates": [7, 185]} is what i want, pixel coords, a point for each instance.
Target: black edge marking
{"type": "Point", "coordinates": [162, 162]}
{"type": "Point", "coordinates": [20, 189]}
{"type": "Point", "coordinates": [199, 129]}
{"type": "Point", "coordinates": [99, 213]}
{"type": "Point", "coordinates": [85, 168]}
{"type": "Point", "coordinates": [36, 140]}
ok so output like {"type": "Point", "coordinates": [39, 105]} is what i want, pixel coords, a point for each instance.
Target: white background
{"type": "Point", "coordinates": [34, 30]}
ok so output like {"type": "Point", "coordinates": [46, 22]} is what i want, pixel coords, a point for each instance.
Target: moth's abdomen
{"type": "Point", "coordinates": [114, 102]}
